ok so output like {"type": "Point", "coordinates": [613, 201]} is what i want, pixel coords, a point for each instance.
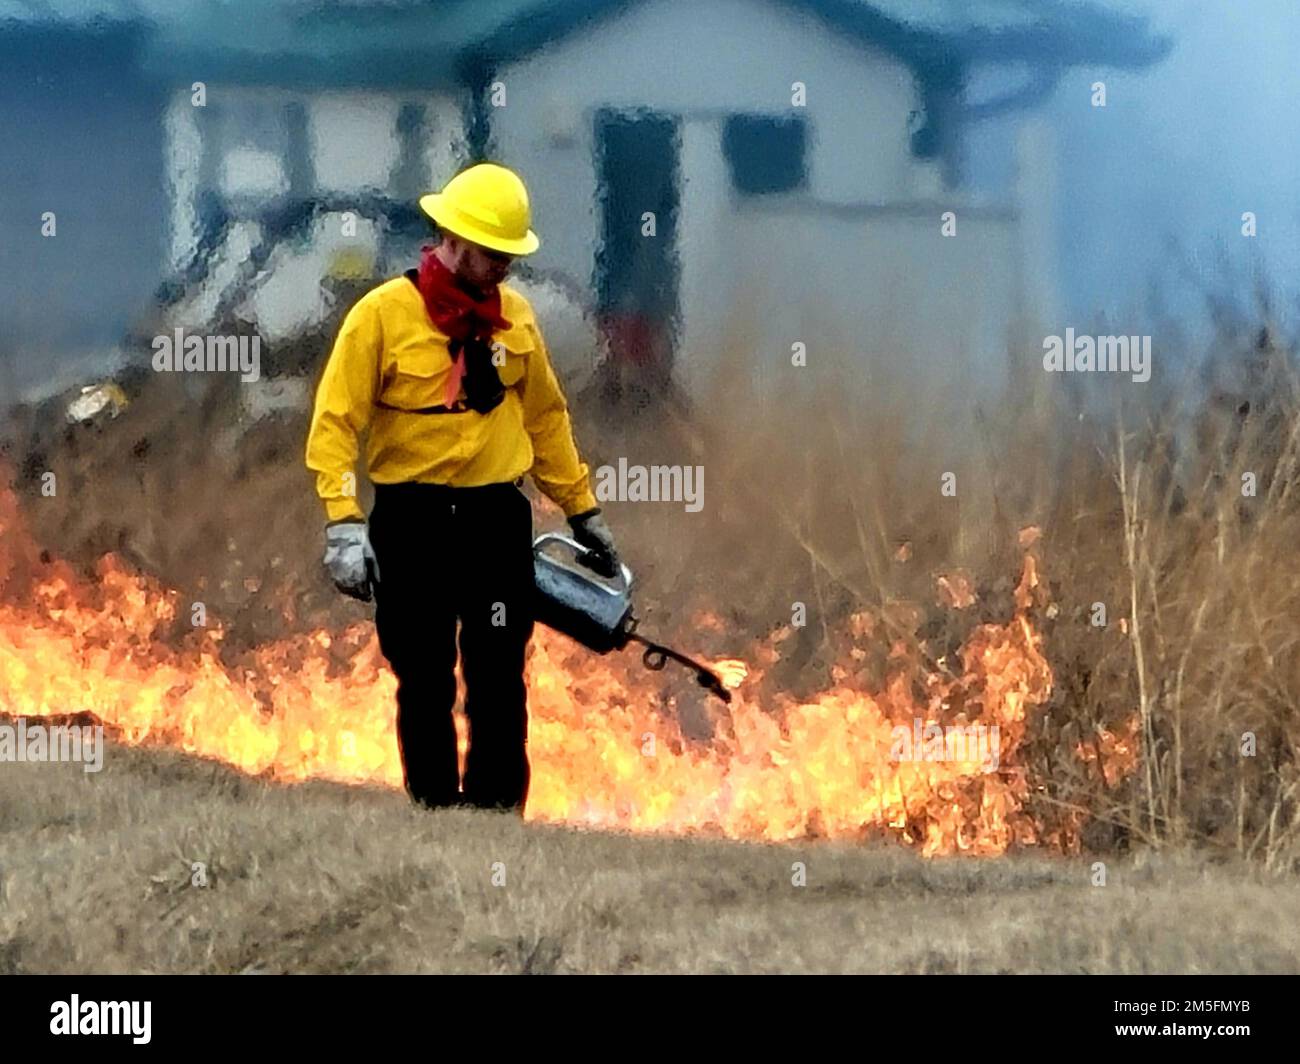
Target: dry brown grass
{"type": "Point", "coordinates": [810, 491]}
{"type": "Point", "coordinates": [1138, 490]}
{"type": "Point", "coordinates": [322, 878]}
{"type": "Point", "coordinates": [808, 497]}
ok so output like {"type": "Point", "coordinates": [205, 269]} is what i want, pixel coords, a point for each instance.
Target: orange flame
{"type": "Point", "coordinates": [1116, 754]}
{"type": "Point", "coordinates": [731, 672]}
{"type": "Point", "coordinates": [955, 590]}
{"type": "Point", "coordinates": [605, 741]}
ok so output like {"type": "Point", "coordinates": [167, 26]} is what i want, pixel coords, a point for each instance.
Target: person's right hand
{"type": "Point", "coordinates": [350, 559]}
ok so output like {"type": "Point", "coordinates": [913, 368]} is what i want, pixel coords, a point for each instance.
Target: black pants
{"type": "Point", "coordinates": [446, 554]}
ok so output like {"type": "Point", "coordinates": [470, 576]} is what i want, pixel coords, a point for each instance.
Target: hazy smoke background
{"type": "Point", "coordinates": [1150, 189]}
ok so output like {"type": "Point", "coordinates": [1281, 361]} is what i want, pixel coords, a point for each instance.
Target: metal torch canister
{"type": "Point", "coordinates": [576, 601]}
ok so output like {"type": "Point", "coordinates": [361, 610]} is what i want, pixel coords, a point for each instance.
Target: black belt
{"type": "Point", "coordinates": [457, 408]}
{"type": "Point", "coordinates": [417, 488]}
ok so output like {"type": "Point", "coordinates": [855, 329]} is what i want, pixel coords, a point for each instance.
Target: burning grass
{"type": "Point", "coordinates": [825, 507]}
{"type": "Point", "coordinates": [607, 748]}
{"type": "Point", "coordinates": [1169, 612]}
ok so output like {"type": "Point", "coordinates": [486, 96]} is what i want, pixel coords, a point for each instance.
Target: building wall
{"type": "Point", "coordinates": [858, 250]}
{"type": "Point", "coordinates": [855, 255]}
{"type": "Point", "coordinates": [241, 145]}
{"type": "Point", "coordinates": [703, 60]}
{"type": "Point", "coordinates": [873, 291]}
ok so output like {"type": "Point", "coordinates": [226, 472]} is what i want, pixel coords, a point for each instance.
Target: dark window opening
{"type": "Point", "coordinates": [766, 154]}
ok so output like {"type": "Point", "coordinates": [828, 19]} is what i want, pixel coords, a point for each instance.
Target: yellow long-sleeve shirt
{"type": "Point", "coordinates": [388, 352]}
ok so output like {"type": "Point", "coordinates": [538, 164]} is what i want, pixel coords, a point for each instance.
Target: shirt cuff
{"type": "Point", "coordinates": [579, 504]}
{"type": "Point", "coordinates": [342, 508]}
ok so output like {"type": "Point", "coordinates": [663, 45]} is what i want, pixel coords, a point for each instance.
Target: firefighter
{"type": "Point", "coordinates": [446, 369]}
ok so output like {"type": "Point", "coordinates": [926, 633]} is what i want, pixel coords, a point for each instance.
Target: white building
{"type": "Point", "coordinates": [713, 180]}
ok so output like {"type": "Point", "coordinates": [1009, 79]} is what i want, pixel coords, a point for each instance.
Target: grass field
{"type": "Point", "coordinates": [1169, 611]}
{"type": "Point", "coordinates": [98, 873]}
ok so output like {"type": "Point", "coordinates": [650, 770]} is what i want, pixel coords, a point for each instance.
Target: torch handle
{"type": "Point", "coordinates": [579, 552]}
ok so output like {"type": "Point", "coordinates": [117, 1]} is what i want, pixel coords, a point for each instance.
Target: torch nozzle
{"type": "Point", "coordinates": [656, 656]}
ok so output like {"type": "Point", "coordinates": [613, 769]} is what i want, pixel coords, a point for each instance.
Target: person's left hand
{"type": "Point", "coordinates": [591, 532]}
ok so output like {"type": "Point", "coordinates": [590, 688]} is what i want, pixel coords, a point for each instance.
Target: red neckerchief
{"type": "Point", "coordinates": [457, 313]}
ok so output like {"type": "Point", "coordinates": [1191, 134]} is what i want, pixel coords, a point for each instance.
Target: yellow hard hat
{"type": "Point", "coordinates": [488, 205]}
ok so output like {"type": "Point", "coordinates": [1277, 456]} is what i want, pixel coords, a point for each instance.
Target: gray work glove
{"type": "Point", "coordinates": [350, 559]}
{"type": "Point", "coordinates": [591, 532]}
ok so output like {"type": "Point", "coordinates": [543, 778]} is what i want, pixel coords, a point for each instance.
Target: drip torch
{"type": "Point", "coordinates": [596, 612]}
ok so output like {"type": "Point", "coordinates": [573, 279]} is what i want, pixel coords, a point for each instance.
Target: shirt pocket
{"type": "Point", "coordinates": [510, 351]}
{"type": "Point", "coordinates": [417, 377]}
